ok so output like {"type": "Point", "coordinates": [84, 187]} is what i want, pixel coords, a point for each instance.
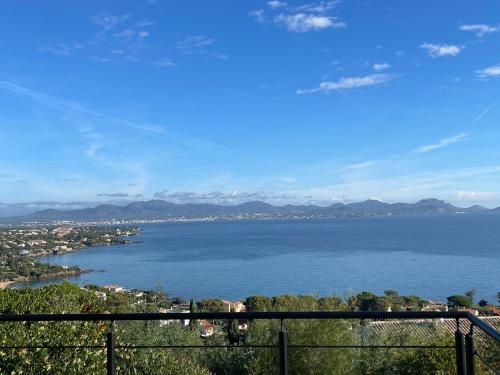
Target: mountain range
{"type": "Point", "coordinates": [160, 209]}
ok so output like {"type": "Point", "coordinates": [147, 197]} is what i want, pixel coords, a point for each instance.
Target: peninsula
{"type": "Point", "coordinates": [21, 248]}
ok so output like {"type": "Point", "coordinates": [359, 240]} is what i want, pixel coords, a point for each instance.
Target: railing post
{"type": "Point", "coordinates": [110, 350]}
{"type": "Point", "coordinates": [459, 350]}
{"type": "Point", "coordinates": [469, 352]}
{"type": "Point", "coordinates": [282, 346]}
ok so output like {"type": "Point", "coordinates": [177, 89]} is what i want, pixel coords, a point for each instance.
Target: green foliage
{"type": "Point", "coordinates": [231, 360]}
{"type": "Point", "coordinates": [258, 303]}
{"type": "Point", "coordinates": [459, 300]}
{"type": "Point", "coordinates": [315, 332]}
{"type": "Point", "coordinates": [211, 305]}
{"type": "Point", "coordinates": [158, 361]}
{"type": "Point", "coordinates": [367, 301]}
{"type": "Point", "coordinates": [68, 298]}
{"type": "Point", "coordinates": [63, 298]}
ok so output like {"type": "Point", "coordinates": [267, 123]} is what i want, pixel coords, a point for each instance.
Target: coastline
{"type": "Point", "coordinates": [65, 243]}
{"type": "Point", "coordinates": [5, 284]}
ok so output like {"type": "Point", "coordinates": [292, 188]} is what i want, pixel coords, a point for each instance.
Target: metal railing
{"type": "Point", "coordinates": [465, 353]}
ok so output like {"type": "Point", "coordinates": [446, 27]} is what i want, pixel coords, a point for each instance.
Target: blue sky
{"type": "Point", "coordinates": [228, 101]}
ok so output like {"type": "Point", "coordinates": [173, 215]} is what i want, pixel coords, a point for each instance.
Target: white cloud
{"type": "Point", "coordinates": [302, 22]}
{"type": "Point", "coordinates": [194, 44]}
{"type": "Point", "coordinates": [61, 49]}
{"type": "Point", "coordinates": [406, 187]}
{"type": "Point", "coordinates": [108, 21]}
{"type": "Point", "coordinates": [479, 29]}
{"type": "Point", "coordinates": [350, 83]}
{"type": "Point", "coordinates": [308, 17]}
{"type": "Point", "coordinates": [145, 23]}
{"type": "Point", "coordinates": [363, 165]}
{"type": "Point", "coordinates": [164, 62]}
{"type": "Point", "coordinates": [442, 143]}
{"type": "Point", "coordinates": [276, 4]}
{"type": "Point", "coordinates": [126, 34]}
{"type": "Point", "coordinates": [380, 67]}
{"type": "Point", "coordinates": [258, 14]}
{"type": "Point", "coordinates": [492, 71]}
{"type": "Point", "coordinates": [113, 195]}
{"type": "Point", "coordinates": [439, 50]}
{"type": "Point", "coordinates": [231, 197]}
{"type": "Point", "coordinates": [476, 195]}
{"type": "Point", "coordinates": [143, 34]}
{"type": "Point", "coordinates": [92, 149]}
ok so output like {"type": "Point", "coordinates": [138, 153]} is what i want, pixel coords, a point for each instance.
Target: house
{"type": "Point", "coordinates": [62, 231]}
{"type": "Point", "coordinates": [206, 328]}
{"type": "Point", "coordinates": [493, 309]}
{"type": "Point", "coordinates": [114, 288]}
{"type": "Point", "coordinates": [163, 322]}
{"type": "Point", "coordinates": [435, 306]}
{"type": "Point", "coordinates": [237, 306]}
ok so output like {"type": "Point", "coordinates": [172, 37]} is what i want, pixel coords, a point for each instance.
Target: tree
{"type": "Point", "coordinates": [258, 303]}
{"type": "Point", "coordinates": [233, 333]}
{"type": "Point", "coordinates": [367, 301]}
{"type": "Point", "coordinates": [471, 294]}
{"type": "Point", "coordinates": [483, 303]}
{"type": "Point", "coordinates": [211, 305]}
{"type": "Point", "coordinates": [69, 298]}
{"type": "Point", "coordinates": [459, 300]}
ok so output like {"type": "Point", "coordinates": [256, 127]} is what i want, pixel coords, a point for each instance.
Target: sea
{"type": "Point", "coordinates": [431, 256]}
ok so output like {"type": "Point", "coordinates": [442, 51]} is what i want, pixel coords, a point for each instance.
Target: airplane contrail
{"type": "Point", "coordinates": [65, 104]}
{"type": "Point", "coordinates": [484, 113]}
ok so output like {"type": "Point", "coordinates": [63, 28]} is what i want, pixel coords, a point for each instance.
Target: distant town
{"type": "Point", "coordinates": [21, 248]}
{"type": "Point", "coordinates": [163, 211]}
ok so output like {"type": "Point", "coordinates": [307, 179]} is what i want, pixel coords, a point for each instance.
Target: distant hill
{"type": "Point", "coordinates": [160, 209]}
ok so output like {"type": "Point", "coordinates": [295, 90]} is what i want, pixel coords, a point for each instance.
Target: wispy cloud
{"type": "Point", "coordinates": [363, 165]}
{"type": "Point", "coordinates": [62, 104]}
{"type": "Point", "coordinates": [194, 44]}
{"type": "Point", "coordinates": [145, 23]}
{"type": "Point", "coordinates": [276, 4]}
{"type": "Point", "coordinates": [220, 197]}
{"type": "Point", "coordinates": [302, 22]}
{"type": "Point", "coordinates": [92, 150]}
{"type": "Point", "coordinates": [113, 195]}
{"type": "Point", "coordinates": [164, 62]}
{"type": "Point", "coordinates": [346, 83]}
{"type": "Point", "coordinates": [381, 66]}
{"type": "Point", "coordinates": [442, 143]}
{"type": "Point", "coordinates": [405, 187]}
{"type": "Point", "coordinates": [476, 195]}
{"type": "Point", "coordinates": [489, 72]}
{"type": "Point", "coordinates": [300, 19]}
{"type": "Point", "coordinates": [479, 29]}
{"type": "Point", "coordinates": [440, 50]}
{"type": "Point", "coordinates": [319, 7]}
{"type": "Point", "coordinates": [258, 14]}
{"type": "Point", "coordinates": [108, 21]}
{"type": "Point", "coordinates": [61, 49]}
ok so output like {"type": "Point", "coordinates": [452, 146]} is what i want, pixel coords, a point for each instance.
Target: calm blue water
{"type": "Point", "coordinates": [431, 256]}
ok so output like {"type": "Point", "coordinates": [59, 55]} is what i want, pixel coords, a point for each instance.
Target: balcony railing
{"type": "Point", "coordinates": [465, 353]}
